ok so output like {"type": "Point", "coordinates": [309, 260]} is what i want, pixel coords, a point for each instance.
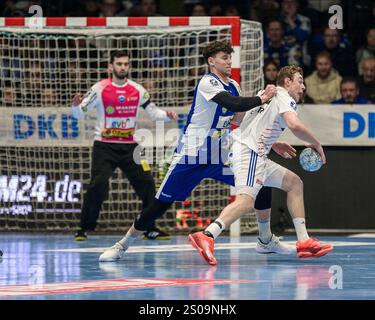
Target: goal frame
{"type": "Point", "coordinates": [117, 22]}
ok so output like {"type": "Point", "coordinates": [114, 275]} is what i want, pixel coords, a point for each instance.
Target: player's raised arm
{"type": "Point", "coordinates": [157, 114]}
{"type": "Point", "coordinates": [240, 104]}
{"type": "Point", "coordinates": [83, 104]}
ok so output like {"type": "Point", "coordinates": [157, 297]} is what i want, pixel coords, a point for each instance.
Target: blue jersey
{"type": "Point", "coordinates": [199, 154]}
{"type": "Point", "coordinates": [207, 121]}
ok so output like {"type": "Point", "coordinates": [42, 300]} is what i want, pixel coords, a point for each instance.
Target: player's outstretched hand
{"type": "Point", "coordinates": [172, 115]}
{"type": "Point", "coordinates": [284, 149]}
{"type": "Point", "coordinates": [77, 99]}
{"type": "Point", "coordinates": [268, 93]}
{"type": "Point", "coordinates": [319, 148]}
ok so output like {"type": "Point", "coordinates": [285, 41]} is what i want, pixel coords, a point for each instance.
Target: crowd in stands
{"type": "Point", "coordinates": [339, 65]}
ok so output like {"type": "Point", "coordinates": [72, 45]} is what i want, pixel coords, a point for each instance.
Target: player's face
{"type": "Point", "coordinates": [120, 67]}
{"type": "Point", "coordinates": [222, 63]}
{"type": "Point", "coordinates": [296, 86]}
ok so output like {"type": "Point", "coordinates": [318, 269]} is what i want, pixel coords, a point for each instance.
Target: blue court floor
{"type": "Point", "coordinates": [55, 267]}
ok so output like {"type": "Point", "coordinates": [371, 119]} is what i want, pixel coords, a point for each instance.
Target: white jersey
{"type": "Point", "coordinates": [261, 127]}
{"type": "Point", "coordinates": [206, 120]}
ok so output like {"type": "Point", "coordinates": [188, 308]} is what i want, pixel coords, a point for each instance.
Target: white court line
{"type": "Point", "coordinates": [363, 235]}
{"type": "Point", "coordinates": [187, 247]}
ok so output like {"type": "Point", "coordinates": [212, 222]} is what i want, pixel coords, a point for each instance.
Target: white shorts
{"type": "Point", "coordinates": [251, 172]}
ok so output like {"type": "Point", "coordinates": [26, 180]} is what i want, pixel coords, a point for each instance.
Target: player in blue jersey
{"type": "Point", "coordinates": [202, 151]}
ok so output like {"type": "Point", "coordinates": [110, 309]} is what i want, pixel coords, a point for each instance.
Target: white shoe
{"type": "Point", "coordinates": [274, 246]}
{"type": "Point", "coordinates": [115, 253]}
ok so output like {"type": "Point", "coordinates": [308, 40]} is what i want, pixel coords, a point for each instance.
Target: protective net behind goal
{"type": "Point", "coordinates": [45, 153]}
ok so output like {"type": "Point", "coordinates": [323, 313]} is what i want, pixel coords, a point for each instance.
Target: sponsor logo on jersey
{"type": "Point", "coordinates": [214, 82]}
{"type": "Point", "coordinates": [121, 98]}
{"type": "Point", "coordinates": [260, 110]}
{"type": "Point", "coordinates": [117, 133]}
{"type": "Point", "coordinates": [132, 98]}
{"type": "Point", "coordinates": [293, 105]}
{"type": "Point", "coordinates": [119, 123]}
{"type": "Point", "coordinates": [84, 108]}
{"type": "Point", "coordinates": [110, 110]}
{"type": "Point", "coordinates": [146, 96]}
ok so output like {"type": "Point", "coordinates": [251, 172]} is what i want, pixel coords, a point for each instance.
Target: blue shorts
{"type": "Point", "coordinates": [181, 179]}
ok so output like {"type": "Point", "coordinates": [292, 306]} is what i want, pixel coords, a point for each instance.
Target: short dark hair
{"type": "Point", "coordinates": [349, 80]}
{"type": "Point", "coordinates": [118, 54]}
{"type": "Point", "coordinates": [274, 20]}
{"type": "Point", "coordinates": [287, 72]}
{"type": "Point", "coordinates": [215, 47]}
{"type": "Point", "coordinates": [325, 54]}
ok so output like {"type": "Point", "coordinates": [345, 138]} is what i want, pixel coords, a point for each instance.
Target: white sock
{"type": "Point", "coordinates": [215, 229]}
{"type": "Point", "coordinates": [300, 226]}
{"type": "Point", "coordinates": [265, 233]}
{"type": "Point", "coordinates": [127, 241]}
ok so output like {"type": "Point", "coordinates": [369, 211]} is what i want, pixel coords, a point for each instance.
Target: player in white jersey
{"type": "Point", "coordinates": [117, 101]}
{"type": "Point", "coordinates": [202, 150]}
{"type": "Point", "coordinates": [259, 130]}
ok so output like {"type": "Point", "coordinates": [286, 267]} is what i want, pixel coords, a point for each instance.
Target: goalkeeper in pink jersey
{"type": "Point", "coordinates": [117, 101]}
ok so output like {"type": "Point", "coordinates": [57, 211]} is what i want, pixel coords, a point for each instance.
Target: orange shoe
{"type": "Point", "coordinates": [205, 246]}
{"type": "Point", "coordinates": [312, 248]}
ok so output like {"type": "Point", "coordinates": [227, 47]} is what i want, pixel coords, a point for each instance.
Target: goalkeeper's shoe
{"type": "Point", "coordinates": [156, 234]}
{"type": "Point", "coordinates": [80, 235]}
{"type": "Point", "coordinates": [312, 248]}
{"type": "Point", "coordinates": [274, 246]}
{"type": "Point", "coordinates": [205, 246]}
{"type": "Point", "coordinates": [115, 253]}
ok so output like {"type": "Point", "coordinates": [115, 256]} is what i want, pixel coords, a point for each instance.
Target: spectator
{"type": "Point", "coordinates": [318, 18]}
{"type": "Point", "coordinates": [48, 98]}
{"type": "Point", "coordinates": [149, 8]}
{"type": "Point", "coordinates": [340, 50]}
{"type": "Point", "coordinates": [367, 80]}
{"type": "Point", "coordinates": [111, 8]}
{"type": "Point", "coordinates": [231, 10]}
{"type": "Point", "coordinates": [323, 85]}
{"type": "Point", "coordinates": [276, 49]}
{"type": "Point", "coordinates": [7, 8]}
{"type": "Point", "coordinates": [9, 97]}
{"type": "Point", "coordinates": [264, 11]}
{"type": "Point", "coordinates": [350, 93]}
{"type": "Point", "coordinates": [270, 70]}
{"type": "Point", "coordinates": [215, 10]}
{"type": "Point", "coordinates": [368, 51]}
{"type": "Point", "coordinates": [296, 26]}
{"type": "Point", "coordinates": [92, 8]}
{"type": "Point", "coordinates": [199, 10]}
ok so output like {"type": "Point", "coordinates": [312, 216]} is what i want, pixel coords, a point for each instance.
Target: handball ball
{"type": "Point", "coordinates": [310, 160]}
